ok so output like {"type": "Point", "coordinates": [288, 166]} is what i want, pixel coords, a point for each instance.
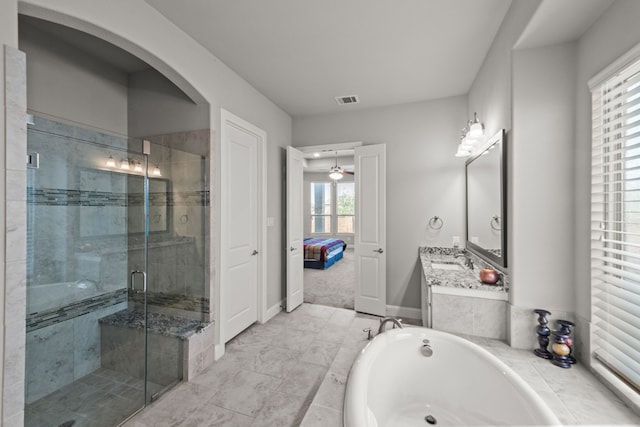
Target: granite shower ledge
{"type": "Point", "coordinates": [158, 323]}
{"type": "Point", "coordinates": [464, 278]}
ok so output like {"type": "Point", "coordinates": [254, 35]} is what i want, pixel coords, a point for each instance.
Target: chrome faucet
{"type": "Point", "coordinates": [427, 351]}
{"type": "Point", "coordinates": [468, 262]}
{"type": "Point", "coordinates": [396, 323]}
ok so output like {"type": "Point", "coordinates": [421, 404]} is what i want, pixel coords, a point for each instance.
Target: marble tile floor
{"type": "Point", "coordinates": [103, 398]}
{"type": "Point", "coordinates": [268, 376]}
{"type": "Point", "coordinates": [292, 371]}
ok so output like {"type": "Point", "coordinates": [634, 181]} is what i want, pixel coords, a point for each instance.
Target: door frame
{"type": "Point", "coordinates": [333, 147]}
{"type": "Point", "coordinates": [229, 119]}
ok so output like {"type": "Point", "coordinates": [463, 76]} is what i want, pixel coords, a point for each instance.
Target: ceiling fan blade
{"type": "Point", "coordinates": [348, 172]}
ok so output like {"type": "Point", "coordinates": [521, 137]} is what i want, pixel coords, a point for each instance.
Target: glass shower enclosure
{"type": "Point", "coordinates": [116, 271]}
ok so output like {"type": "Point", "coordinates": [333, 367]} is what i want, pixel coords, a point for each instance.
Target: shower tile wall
{"type": "Point", "coordinates": [60, 252]}
{"type": "Point", "coordinates": [177, 271]}
{"type": "Point", "coordinates": [58, 225]}
{"type": "Point", "coordinates": [51, 365]}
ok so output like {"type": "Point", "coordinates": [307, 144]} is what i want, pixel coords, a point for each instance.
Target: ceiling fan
{"type": "Point", "coordinates": [336, 172]}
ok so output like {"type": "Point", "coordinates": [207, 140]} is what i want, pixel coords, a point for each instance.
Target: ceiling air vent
{"type": "Point", "coordinates": [345, 100]}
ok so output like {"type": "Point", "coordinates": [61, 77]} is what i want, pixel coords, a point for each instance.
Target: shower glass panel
{"type": "Point", "coordinates": [98, 346]}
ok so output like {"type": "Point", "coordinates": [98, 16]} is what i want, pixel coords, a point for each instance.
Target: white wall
{"type": "Point", "coordinates": [490, 95]}
{"type": "Point", "coordinates": [541, 97]}
{"type": "Point", "coordinates": [530, 93]}
{"type": "Point", "coordinates": [542, 185]}
{"type": "Point", "coordinates": [156, 106]}
{"type": "Point", "coordinates": [616, 32]}
{"type": "Point", "coordinates": [67, 83]}
{"type": "Point", "coordinates": [423, 177]}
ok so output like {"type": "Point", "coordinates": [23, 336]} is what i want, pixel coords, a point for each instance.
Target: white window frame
{"type": "Point", "coordinates": [331, 209]}
{"type": "Point", "coordinates": [339, 215]}
{"type": "Point", "coordinates": [613, 261]}
{"type": "Point", "coordinates": [334, 209]}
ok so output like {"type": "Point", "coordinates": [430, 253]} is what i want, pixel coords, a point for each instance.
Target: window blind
{"type": "Point", "coordinates": [615, 223]}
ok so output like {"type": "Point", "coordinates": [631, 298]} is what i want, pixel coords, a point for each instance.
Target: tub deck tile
{"type": "Point", "coordinates": [282, 407]}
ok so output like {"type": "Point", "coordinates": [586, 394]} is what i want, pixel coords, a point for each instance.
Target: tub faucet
{"type": "Point", "coordinates": [396, 323]}
{"type": "Point", "coordinates": [427, 351]}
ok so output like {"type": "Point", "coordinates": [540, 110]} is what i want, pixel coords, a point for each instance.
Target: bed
{"type": "Point", "coordinates": [321, 253]}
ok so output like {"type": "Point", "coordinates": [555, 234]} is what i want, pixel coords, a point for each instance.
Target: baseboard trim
{"type": "Point", "coordinates": [218, 351]}
{"type": "Point", "coordinates": [273, 310]}
{"type": "Point", "coordinates": [406, 312]}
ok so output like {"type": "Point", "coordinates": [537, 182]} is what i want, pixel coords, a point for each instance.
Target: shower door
{"type": "Point", "coordinates": [87, 226]}
{"type": "Point", "coordinates": [116, 270]}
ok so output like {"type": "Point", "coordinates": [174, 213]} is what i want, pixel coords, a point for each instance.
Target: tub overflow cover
{"type": "Point", "coordinates": [430, 419]}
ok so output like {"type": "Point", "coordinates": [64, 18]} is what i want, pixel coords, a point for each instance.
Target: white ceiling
{"type": "Point", "coordinates": [560, 21]}
{"type": "Point", "coordinates": [301, 54]}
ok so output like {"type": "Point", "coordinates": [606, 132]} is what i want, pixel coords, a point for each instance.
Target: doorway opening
{"type": "Point", "coordinates": [367, 221]}
{"type": "Point", "coordinates": [329, 214]}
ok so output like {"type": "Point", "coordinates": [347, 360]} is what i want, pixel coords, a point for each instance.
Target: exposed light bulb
{"type": "Point", "coordinates": [110, 162]}
{"type": "Point", "coordinates": [476, 130]}
{"type": "Point", "coordinates": [125, 164]}
{"type": "Point", "coordinates": [462, 151]}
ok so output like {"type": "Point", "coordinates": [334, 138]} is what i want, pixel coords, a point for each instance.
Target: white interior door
{"type": "Point", "coordinates": [371, 235]}
{"type": "Point", "coordinates": [239, 308]}
{"type": "Point", "coordinates": [295, 231]}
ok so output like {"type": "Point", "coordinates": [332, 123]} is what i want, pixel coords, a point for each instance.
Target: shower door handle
{"type": "Point", "coordinates": [144, 281]}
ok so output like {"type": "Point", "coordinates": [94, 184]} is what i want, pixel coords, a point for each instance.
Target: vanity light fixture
{"type": "Point", "coordinates": [110, 162]}
{"type": "Point", "coordinates": [125, 164]}
{"type": "Point", "coordinates": [470, 137]}
{"type": "Point", "coordinates": [463, 152]}
{"type": "Point", "coordinates": [137, 166]}
{"type": "Point", "coordinates": [476, 130]}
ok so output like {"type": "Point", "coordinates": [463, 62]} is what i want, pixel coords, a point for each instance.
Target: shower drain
{"type": "Point", "coordinates": [430, 419]}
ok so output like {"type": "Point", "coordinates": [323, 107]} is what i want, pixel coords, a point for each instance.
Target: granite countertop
{"type": "Point", "coordinates": [159, 323]}
{"type": "Point", "coordinates": [456, 277]}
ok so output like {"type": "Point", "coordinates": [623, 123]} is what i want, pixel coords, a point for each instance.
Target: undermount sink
{"type": "Point", "coordinates": [446, 265]}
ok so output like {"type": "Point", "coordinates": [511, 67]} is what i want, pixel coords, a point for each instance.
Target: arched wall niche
{"type": "Point", "coordinates": [133, 46]}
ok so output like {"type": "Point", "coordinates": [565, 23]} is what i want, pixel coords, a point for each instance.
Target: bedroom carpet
{"type": "Point", "coordinates": [333, 286]}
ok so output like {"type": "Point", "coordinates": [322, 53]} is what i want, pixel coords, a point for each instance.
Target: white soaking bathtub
{"type": "Point", "coordinates": [392, 383]}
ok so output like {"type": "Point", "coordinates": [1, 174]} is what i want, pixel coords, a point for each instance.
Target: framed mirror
{"type": "Point", "coordinates": [486, 204]}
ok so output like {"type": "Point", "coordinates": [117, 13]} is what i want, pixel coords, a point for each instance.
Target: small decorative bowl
{"type": "Point", "coordinates": [489, 276]}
